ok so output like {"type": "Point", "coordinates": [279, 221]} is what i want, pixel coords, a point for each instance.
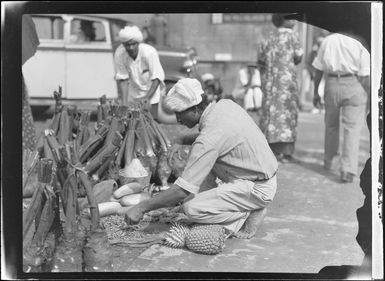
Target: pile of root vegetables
{"type": "Point", "coordinates": [75, 167]}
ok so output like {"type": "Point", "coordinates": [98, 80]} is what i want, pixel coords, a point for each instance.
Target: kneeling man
{"type": "Point", "coordinates": [230, 175]}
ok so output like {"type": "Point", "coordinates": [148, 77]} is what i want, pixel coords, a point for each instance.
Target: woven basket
{"type": "Point", "coordinates": [123, 179]}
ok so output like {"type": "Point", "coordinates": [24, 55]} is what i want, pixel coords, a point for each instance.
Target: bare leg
{"type": "Point", "coordinates": [252, 224]}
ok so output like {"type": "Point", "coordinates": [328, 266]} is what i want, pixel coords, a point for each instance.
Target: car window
{"type": "Point", "coordinates": [49, 27]}
{"type": "Point", "coordinates": [87, 31]}
{"type": "Point", "coordinates": [115, 28]}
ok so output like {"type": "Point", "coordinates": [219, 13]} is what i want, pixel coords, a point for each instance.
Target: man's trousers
{"type": "Point", "coordinates": [345, 105]}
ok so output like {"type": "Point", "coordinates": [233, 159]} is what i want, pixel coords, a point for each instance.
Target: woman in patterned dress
{"type": "Point", "coordinates": [29, 131]}
{"type": "Point", "coordinates": [277, 59]}
{"type": "Point", "coordinates": [30, 41]}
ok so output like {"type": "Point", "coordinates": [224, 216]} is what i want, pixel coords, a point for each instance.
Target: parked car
{"type": "Point", "coordinates": [76, 53]}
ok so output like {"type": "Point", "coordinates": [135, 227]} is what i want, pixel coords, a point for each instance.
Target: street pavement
{"type": "Point", "coordinates": [310, 224]}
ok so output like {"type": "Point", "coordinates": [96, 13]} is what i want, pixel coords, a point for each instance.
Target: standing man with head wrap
{"type": "Point", "coordinates": [230, 176]}
{"type": "Point", "coordinates": [138, 70]}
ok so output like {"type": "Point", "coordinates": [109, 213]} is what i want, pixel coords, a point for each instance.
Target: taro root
{"type": "Point", "coordinates": [130, 142]}
{"type": "Point", "coordinates": [104, 153]}
{"type": "Point", "coordinates": [65, 132]}
{"type": "Point", "coordinates": [30, 159]}
{"type": "Point", "coordinates": [90, 146]}
{"type": "Point", "coordinates": [84, 132]}
{"type": "Point", "coordinates": [97, 255]}
{"type": "Point", "coordinates": [38, 248]}
{"type": "Point", "coordinates": [68, 256]}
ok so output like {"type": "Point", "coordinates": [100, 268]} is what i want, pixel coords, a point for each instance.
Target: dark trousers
{"type": "Point", "coordinates": [285, 148]}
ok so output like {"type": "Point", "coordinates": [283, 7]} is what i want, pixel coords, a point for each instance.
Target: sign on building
{"type": "Point", "coordinates": [240, 18]}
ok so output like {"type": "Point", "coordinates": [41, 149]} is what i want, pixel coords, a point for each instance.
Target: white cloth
{"type": "Point", "coordinates": [140, 72]}
{"type": "Point", "coordinates": [130, 33]}
{"type": "Point", "coordinates": [184, 94]}
{"type": "Point", "coordinates": [207, 77]}
{"type": "Point", "coordinates": [342, 54]}
{"type": "Point", "coordinates": [252, 98]}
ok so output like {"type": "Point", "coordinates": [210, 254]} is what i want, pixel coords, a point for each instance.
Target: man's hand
{"type": "Point", "coordinates": [145, 104]}
{"type": "Point", "coordinates": [316, 97]}
{"type": "Point", "coordinates": [134, 215]}
{"type": "Point", "coordinates": [317, 101]}
{"type": "Point", "coordinates": [176, 148]}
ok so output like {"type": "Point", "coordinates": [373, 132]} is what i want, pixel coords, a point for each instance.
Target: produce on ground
{"type": "Point", "coordinates": [205, 239]}
{"type": "Point", "coordinates": [76, 168]}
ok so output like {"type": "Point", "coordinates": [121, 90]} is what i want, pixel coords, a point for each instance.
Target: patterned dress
{"type": "Point", "coordinates": [29, 131]}
{"type": "Point", "coordinates": [279, 85]}
{"type": "Point", "coordinates": [30, 41]}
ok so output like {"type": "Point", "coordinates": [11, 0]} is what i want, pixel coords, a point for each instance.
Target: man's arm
{"type": "Point", "coordinates": [177, 145]}
{"type": "Point", "coordinates": [167, 198]}
{"type": "Point", "coordinates": [317, 80]}
{"type": "Point", "coordinates": [186, 139]}
{"type": "Point", "coordinates": [154, 85]}
{"type": "Point", "coordinates": [123, 93]}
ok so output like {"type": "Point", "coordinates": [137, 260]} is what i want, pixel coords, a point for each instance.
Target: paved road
{"type": "Point", "coordinates": [310, 224]}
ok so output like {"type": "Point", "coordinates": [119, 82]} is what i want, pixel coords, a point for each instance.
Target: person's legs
{"type": "Point", "coordinates": [332, 123]}
{"type": "Point", "coordinates": [288, 151]}
{"type": "Point", "coordinates": [283, 151]}
{"type": "Point", "coordinates": [277, 149]}
{"type": "Point", "coordinates": [252, 224]}
{"type": "Point", "coordinates": [230, 204]}
{"type": "Point", "coordinates": [353, 116]}
{"type": "Point", "coordinates": [352, 120]}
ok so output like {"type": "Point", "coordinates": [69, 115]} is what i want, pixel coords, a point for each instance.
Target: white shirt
{"type": "Point", "coordinates": [342, 54]}
{"type": "Point", "coordinates": [230, 144]}
{"type": "Point", "coordinates": [140, 72]}
{"type": "Point", "coordinates": [243, 79]}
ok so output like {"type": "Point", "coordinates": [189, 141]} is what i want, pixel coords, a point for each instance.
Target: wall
{"type": "Point", "coordinates": [238, 40]}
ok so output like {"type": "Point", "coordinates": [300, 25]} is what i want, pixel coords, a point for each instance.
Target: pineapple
{"type": "Point", "coordinates": [205, 239]}
{"type": "Point", "coordinates": [177, 235]}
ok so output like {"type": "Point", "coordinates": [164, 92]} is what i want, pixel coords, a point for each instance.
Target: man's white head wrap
{"type": "Point", "coordinates": [207, 77]}
{"type": "Point", "coordinates": [130, 33]}
{"type": "Point", "coordinates": [184, 94]}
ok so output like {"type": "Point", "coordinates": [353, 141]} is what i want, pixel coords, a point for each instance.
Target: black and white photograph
{"type": "Point", "coordinates": [192, 140]}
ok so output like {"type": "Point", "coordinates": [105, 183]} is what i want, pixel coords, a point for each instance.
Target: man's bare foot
{"type": "Point", "coordinates": [251, 225]}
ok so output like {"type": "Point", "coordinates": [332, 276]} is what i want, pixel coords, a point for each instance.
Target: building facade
{"type": "Point", "coordinates": [224, 42]}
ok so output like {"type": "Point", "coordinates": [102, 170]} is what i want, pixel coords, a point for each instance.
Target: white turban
{"type": "Point", "coordinates": [207, 76]}
{"type": "Point", "coordinates": [183, 95]}
{"type": "Point", "coordinates": [130, 33]}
